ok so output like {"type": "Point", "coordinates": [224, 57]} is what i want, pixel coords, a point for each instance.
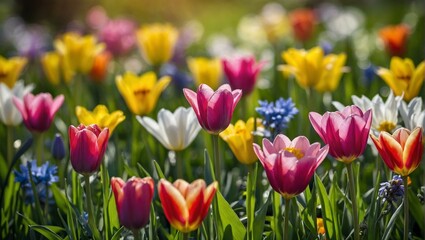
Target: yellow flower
{"type": "Point", "coordinates": [78, 51]}
{"type": "Point", "coordinates": [10, 70]}
{"type": "Point", "coordinates": [313, 69]}
{"type": "Point", "coordinates": [207, 71]}
{"type": "Point", "coordinates": [320, 226]}
{"type": "Point", "coordinates": [240, 140]}
{"type": "Point", "coordinates": [156, 42]}
{"type": "Point", "coordinates": [403, 77]}
{"type": "Point", "coordinates": [55, 68]}
{"type": "Point", "coordinates": [141, 93]}
{"type": "Point", "coordinates": [100, 116]}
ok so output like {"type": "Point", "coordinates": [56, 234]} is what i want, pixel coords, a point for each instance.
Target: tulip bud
{"type": "Point", "coordinates": [58, 147]}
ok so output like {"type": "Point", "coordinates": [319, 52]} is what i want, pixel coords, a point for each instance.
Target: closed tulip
{"type": "Point", "coordinates": [346, 131]}
{"type": "Point", "coordinates": [133, 199]}
{"type": "Point", "coordinates": [175, 131]}
{"type": "Point", "coordinates": [87, 146]}
{"type": "Point", "coordinates": [214, 110]}
{"type": "Point", "coordinates": [206, 71]}
{"type": "Point", "coordinates": [9, 114]}
{"type": "Point", "coordinates": [100, 116]}
{"type": "Point", "coordinates": [289, 165]}
{"type": "Point", "coordinates": [395, 38]}
{"type": "Point", "coordinates": [186, 205]}
{"type": "Point", "coordinates": [10, 69]}
{"type": "Point", "coordinates": [141, 93]}
{"type": "Point", "coordinates": [56, 68]}
{"type": "Point", "coordinates": [402, 151]}
{"type": "Point", "coordinates": [242, 73]}
{"type": "Point", "coordinates": [38, 110]}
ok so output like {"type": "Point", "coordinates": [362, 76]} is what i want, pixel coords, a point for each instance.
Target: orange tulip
{"type": "Point", "coordinates": [302, 21]}
{"type": "Point", "coordinates": [394, 38]}
{"type": "Point", "coordinates": [100, 67]}
{"type": "Point", "coordinates": [402, 151]}
{"type": "Point", "coordinates": [186, 205]}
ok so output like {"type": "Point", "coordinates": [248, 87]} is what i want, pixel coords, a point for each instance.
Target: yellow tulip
{"type": "Point", "coordinates": [240, 140]}
{"type": "Point", "coordinates": [100, 116]}
{"type": "Point", "coordinates": [156, 42]}
{"type": "Point", "coordinates": [78, 51]}
{"type": "Point", "coordinates": [141, 93]}
{"type": "Point", "coordinates": [403, 77]}
{"type": "Point", "coordinates": [10, 70]}
{"type": "Point", "coordinates": [206, 71]}
{"type": "Point", "coordinates": [313, 69]}
{"type": "Point", "coordinates": [55, 68]}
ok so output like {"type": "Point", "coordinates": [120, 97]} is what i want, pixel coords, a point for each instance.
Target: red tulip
{"type": "Point", "coordinates": [402, 151]}
{"type": "Point", "coordinates": [242, 73]}
{"type": "Point", "coordinates": [133, 200]}
{"type": "Point", "coordinates": [395, 38]}
{"type": "Point", "coordinates": [87, 146]}
{"type": "Point", "coordinates": [214, 110]}
{"type": "Point", "coordinates": [302, 21]}
{"type": "Point", "coordinates": [38, 111]}
{"type": "Point", "coordinates": [186, 205]}
{"type": "Point", "coordinates": [346, 132]}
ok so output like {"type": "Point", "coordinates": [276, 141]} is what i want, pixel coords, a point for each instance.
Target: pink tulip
{"type": "Point", "coordinates": [214, 110]}
{"type": "Point", "coordinates": [346, 132]}
{"type": "Point", "coordinates": [133, 200]}
{"type": "Point", "coordinates": [38, 111]}
{"type": "Point", "coordinates": [87, 146]}
{"type": "Point", "coordinates": [119, 36]}
{"type": "Point", "coordinates": [242, 73]}
{"type": "Point", "coordinates": [289, 165]}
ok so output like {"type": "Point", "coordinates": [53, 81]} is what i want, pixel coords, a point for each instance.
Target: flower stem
{"type": "Point", "coordinates": [352, 188]}
{"type": "Point", "coordinates": [185, 236]}
{"type": "Point", "coordinates": [38, 210]}
{"type": "Point", "coordinates": [134, 142]}
{"type": "Point", "coordinates": [9, 144]}
{"type": "Point", "coordinates": [406, 208]}
{"type": "Point", "coordinates": [286, 222]}
{"type": "Point", "coordinates": [217, 163]}
{"type": "Point", "coordinates": [39, 148]}
{"type": "Point", "coordinates": [179, 164]}
{"type": "Point", "coordinates": [136, 234]}
{"type": "Point", "coordinates": [276, 214]}
{"type": "Point", "coordinates": [249, 201]}
{"type": "Point", "coordinates": [92, 221]}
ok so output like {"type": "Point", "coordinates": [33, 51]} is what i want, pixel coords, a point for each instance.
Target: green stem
{"type": "Point", "coordinates": [185, 236]}
{"type": "Point", "coordinates": [179, 164]}
{"type": "Point", "coordinates": [276, 215]}
{"type": "Point", "coordinates": [136, 234]}
{"type": "Point", "coordinates": [134, 142]}
{"type": "Point", "coordinates": [9, 145]}
{"type": "Point", "coordinates": [249, 212]}
{"type": "Point", "coordinates": [39, 148]}
{"type": "Point", "coordinates": [217, 163]}
{"type": "Point", "coordinates": [286, 223]}
{"type": "Point", "coordinates": [90, 209]}
{"type": "Point", "coordinates": [406, 208]}
{"type": "Point", "coordinates": [352, 188]}
{"type": "Point", "coordinates": [38, 210]}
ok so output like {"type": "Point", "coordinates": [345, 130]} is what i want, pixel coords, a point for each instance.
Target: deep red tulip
{"type": "Point", "coordinates": [87, 146]}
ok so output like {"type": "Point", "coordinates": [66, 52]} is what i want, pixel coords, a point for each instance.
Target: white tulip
{"type": "Point", "coordinates": [413, 115]}
{"type": "Point", "coordinates": [175, 131]}
{"type": "Point", "coordinates": [9, 114]}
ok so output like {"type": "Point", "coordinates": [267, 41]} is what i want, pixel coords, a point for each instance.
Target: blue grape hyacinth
{"type": "Point", "coordinates": [392, 190]}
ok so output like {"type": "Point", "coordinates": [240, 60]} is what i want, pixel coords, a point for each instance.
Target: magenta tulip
{"type": "Point", "coordinates": [133, 200]}
{"type": "Point", "coordinates": [289, 165]}
{"type": "Point", "coordinates": [38, 111]}
{"type": "Point", "coordinates": [242, 73]}
{"type": "Point", "coordinates": [346, 132]}
{"type": "Point", "coordinates": [87, 146]}
{"type": "Point", "coordinates": [214, 110]}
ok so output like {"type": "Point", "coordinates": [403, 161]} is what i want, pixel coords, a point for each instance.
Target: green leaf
{"type": "Point", "coordinates": [47, 231]}
{"type": "Point", "coordinates": [390, 225]}
{"type": "Point", "coordinates": [130, 171]}
{"type": "Point", "coordinates": [333, 200]}
{"type": "Point", "coordinates": [260, 218]}
{"type": "Point", "coordinates": [227, 220]}
{"type": "Point", "coordinates": [416, 208]}
{"type": "Point", "coordinates": [209, 169]}
{"type": "Point", "coordinates": [117, 234]}
{"type": "Point", "coordinates": [327, 213]}
{"type": "Point", "coordinates": [158, 170]}
{"type": "Point", "coordinates": [60, 198]}
{"type": "Point", "coordinates": [373, 211]}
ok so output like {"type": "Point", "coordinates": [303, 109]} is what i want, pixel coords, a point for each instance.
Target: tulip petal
{"type": "Point", "coordinates": [173, 204]}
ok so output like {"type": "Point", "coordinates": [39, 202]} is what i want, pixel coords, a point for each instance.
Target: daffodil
{"type": "Point", "coordinates": [100, 116]}
{"type": "Point", "coordinates": [78, 51]}
{"type": "Point", "coordinates": [56, 68]}
{"type": "Point", "coordinates": [156, 42]}
{"type": "Point", "coordinates": [313, 68]}
{"type": "Point", "coordinates": [10, 70]}
{"type": "Point", "coordinates": [240, 139]}
{"type": "Point", "coordinates": [403, 77]}
{"type": "Point", "coordinates": [206, 71]}
{"type": "Point", "coordinates": [141, 92]}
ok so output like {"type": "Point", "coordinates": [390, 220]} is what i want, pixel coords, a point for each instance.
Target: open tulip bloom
{"type": "Point", "coordinates": [133, 199]}
{"type": "Point", "coordinates": [186, 205]}
{"type": "Point", "coordinates": [175, 131]}
{"type": "Point", "coordinates": [9, 114]}
{"type": "Point", "coordinates": [289, 165]}
{"type": "Point", "coordinates": [214, 110]}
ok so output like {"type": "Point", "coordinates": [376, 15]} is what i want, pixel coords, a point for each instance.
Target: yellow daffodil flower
{"type": "Point", "coordinates": [313, 69]}
{"type": "Point", "coordinates": [156, 42]}
{"type": "Point", "coordinates": [78, 51]}
{"type": "Point", "coordinates": [55, 68]}
{"type": "Point", "coordinates": [10, 70]}
{"type": "Point", "coordinates": [206, 71]}
{"type": "Point", "coordinates": [403, 77]}
{"type": "Point", "coordinates": [240, 140]}
{"type": "Point", "coordinates": [141, 93]}
{"type": "Point", "coordinates": [100, 116]}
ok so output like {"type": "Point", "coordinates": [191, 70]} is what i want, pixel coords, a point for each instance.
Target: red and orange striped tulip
{"type": "Point", "coordinates": [186, 205]}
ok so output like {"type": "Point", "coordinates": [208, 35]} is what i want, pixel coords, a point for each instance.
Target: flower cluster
{"type": "Point", "coordinates": [392, 190]}
{"type": "Point", "coordinates": [42, 177]}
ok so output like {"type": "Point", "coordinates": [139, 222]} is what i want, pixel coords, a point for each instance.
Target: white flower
{"type": "Point", "coordinates": [413, 115]}
{"type": "Point", "coordinates": [9, 114]}
{"type": "Point", "coordinates": [384, 115]}
{"type": "Point", "coordinates": [175, 130]}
